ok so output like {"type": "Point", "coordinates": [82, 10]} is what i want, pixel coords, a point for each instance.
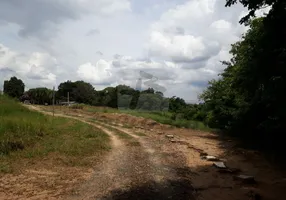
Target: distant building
{"type": "Point", "coordinates": [65, 103]}
{"type": "Point", "coordinates": [27, 102]}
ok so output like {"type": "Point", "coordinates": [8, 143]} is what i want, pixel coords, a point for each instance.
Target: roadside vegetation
{"type": "Point", "coordinates": [30, 134]}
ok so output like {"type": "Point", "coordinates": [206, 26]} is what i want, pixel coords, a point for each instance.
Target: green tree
{"type": "Point", "coordinates": [134, 100]}
{"type": "Point", "coordinates": [109, 97]}
{"type": "Point", "coordinates": [40, 95]}
{"type": "Point", "coordinates": [176, 104]}
{"type": "Point", "coordinates": [150, 102]}
{"type": "Point", "coordinates": [125, 96]}
{"type": "Point", "coordinates": [14, 87]}
{"type": "Point", "coordinates": [79, 91]}
{"type": "Point", "coordinates": [195, 112]}
{"type": "Point", "coordinates": [84, 93]}
{"type": "Point", "coordinates": [63, 90]}
{"type": "Point", "coordinates": [249, 98]}
{"type": "Point", "coordinates": [229, 99]}
{"type": "Point", "coordinates": [148, 91]}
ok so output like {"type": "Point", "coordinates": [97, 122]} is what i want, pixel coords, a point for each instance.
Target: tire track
{"type": "Point", "coordinates": [166, 179]}
{"type": "Point", "coordinates": [160, 171]}
{"type": "Point", "coordinates": [125, 167]}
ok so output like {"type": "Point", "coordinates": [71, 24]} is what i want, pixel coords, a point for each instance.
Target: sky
{"type": "Point", "coordinates": [177, 44]}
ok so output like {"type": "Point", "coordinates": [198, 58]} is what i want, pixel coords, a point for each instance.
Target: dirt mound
{"type": "Point", "coordinates": [130, 120]}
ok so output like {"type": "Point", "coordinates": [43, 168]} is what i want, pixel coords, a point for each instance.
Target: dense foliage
{"type": "Point", "coordinates": [39, 96]}
{"type": "Point", "coordinates": [14, 87]}
{"type": "Point", "coordinates": [248, 99]}
{"type": "Point", "coordinates": [78, 91]}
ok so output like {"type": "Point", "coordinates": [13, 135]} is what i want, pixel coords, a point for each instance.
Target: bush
{"type": "Point", "coordinates": [77, 106]}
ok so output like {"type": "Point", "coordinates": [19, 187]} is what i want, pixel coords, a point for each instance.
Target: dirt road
{"type": "Point", "coordinates": [165, 163]}
{"type": "Point", "coordinates": [142, 171]}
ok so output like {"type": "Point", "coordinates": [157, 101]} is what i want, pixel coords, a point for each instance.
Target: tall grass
{"type": "Point", "coordinates": [26, 134]}
{"type": "Point", "coordinates": [19, 127]}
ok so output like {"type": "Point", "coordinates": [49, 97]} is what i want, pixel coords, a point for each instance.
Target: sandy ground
{"type": "Point", "coordinates": [158, 168]}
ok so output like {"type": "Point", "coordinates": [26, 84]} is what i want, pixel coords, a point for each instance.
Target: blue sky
{"type": "Point", "coordinates": [108, 42]}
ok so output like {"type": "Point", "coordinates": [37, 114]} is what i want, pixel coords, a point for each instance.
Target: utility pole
{"type": "Point", "coordinates": [68, 99]}
{"type": "Point", "coordinates": [53, 101]}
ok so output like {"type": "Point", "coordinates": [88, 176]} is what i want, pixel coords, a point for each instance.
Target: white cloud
{"type": "Point", "coordinates": [221, 25]}
{"type": "Point", "coordinates": [202, 33]}
{"type": "Point", "coordinates": [96, 74]}
{"type": "Point", "coordinates": [92, 32]}
{"type": "Point", "coordinates": [176, 47]}
{"type": "Point", "coordinates": [259, 13]}
{"type": "Point", "coordinates": [36, 67]}
{"type": "Point", "coordinates": [263, 11]}
{"type": "Point", "coordinates": [180, 42]}
{"type": "Point", "coordinates": [185, 47]}
{"type": "Point", "coordinates": [167, 74]}
{"type": "Point", "coordinates": [194, 10]}
{"type": "Point", "coordinates": [39, 18]}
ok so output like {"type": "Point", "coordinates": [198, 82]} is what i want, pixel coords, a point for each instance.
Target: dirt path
{"type": "Point", "coordinates": [114, 172]}
{"type": "Point", "coordinates": [154, 175]}
{"type": "Point", "coordinates": [132, 172]}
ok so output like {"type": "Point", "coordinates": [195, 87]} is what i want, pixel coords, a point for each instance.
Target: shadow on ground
{"type": "Point", "coordinates": [176, 190]}
{"type": "Point", "coordinates": [249, 147]}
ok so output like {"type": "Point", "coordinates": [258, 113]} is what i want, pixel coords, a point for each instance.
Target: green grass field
{"type": "Point", "coordinates": [29, 134]}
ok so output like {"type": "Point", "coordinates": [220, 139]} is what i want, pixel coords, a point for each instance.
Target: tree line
{"type": "Point", "coordinates": [121, 96]}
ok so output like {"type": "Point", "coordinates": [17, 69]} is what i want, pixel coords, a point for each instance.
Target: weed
{"type": "Point", "coordinates": [133, 143]}
{"type": "Point", "coordinates": [77, 106]}
{"type": "Point", "coordinates": [5, 168]}
{"type": "Point", "coordinates": [139, 133]}
{"type": "Point", "coordinates": [127, 126]}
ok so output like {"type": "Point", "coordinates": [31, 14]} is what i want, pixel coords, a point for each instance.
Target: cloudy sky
{"type": "Point", "coordinates": [108, 42]}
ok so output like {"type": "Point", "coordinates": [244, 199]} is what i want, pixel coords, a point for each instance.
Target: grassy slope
{"type": "Point", "coordinates": [161, 117]}
{"type": "Point", "coordinates": [29, 134]}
